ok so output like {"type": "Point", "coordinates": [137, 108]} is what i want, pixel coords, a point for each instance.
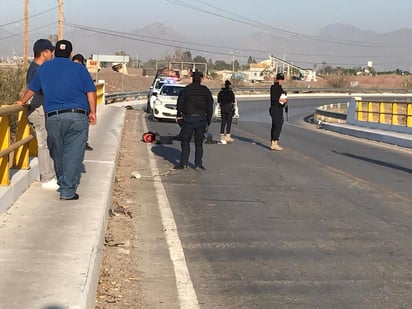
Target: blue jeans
{"type": "Point", "coordinates": [67, 137]}
{"type": "Point", "coordinates": [192, 126]}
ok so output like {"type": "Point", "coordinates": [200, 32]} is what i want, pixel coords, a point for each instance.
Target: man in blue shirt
{"type": "Point", "coordinates": [70, 106]}
{"type": "Point", "coordinates": [43, 51]}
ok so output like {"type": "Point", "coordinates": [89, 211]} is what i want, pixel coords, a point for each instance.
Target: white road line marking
{"type": "Point", "coordinates": [99, 161]}
{"type": "Point", "coordinates": [186, 292]}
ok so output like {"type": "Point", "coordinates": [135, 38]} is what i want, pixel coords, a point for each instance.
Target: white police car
{"type": "Point", "coordinates": [155, 89]}
{"type": "Point", "coordinates": [165, 102]}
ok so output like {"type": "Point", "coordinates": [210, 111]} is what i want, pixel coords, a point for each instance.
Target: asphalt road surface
{"type": "Point", "coordinates": [326, 223]}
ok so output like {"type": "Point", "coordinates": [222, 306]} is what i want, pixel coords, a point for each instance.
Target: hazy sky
{"type": "Point", "coordinates": [303, 16]}
{"type": "Point", "coordinates": [210, 19]}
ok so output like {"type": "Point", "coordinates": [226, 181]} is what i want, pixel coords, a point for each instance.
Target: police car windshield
{"type": "Point", "coordinates": [168, 80]}
{"type": "Point", "coordinates": [159, 84]}
{"type": "Point", "coordinates": [171, 90]}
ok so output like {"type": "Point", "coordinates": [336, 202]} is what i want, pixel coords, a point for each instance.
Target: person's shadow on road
{"type": "Point", "coordinates": [250, 141]}
{"type": "Point", "coordinates": [168, 153]}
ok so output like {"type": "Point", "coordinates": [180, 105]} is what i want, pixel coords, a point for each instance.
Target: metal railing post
{"type": "Point", "coordinates": [4, 144]}
{"type": "Point", "coordinates": [21, 155]}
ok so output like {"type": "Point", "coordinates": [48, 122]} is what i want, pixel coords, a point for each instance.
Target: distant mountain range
{"type": "Point", "coordinates": [333, 45]}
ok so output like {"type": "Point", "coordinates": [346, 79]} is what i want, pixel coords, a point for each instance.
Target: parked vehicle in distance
{"type": "Point", "coordinates": [165, 101]}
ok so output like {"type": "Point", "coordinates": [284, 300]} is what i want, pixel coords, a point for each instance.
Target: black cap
{"type": "Point", "coordinates": [227, 83]}
{"type": "Point", "coordinates": [63, 49]}
{"type": "Point", "coordinates": [79, 58]}
{"type": "Point", "coordinates": [280, 76]}
{"type": "Point", "coordinates": [41, 45]}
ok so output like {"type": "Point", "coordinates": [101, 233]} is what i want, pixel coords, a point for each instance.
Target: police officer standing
{"type": "Point", "coordinates": [194, 113]}
{"type": "Point", "coordinates": [278, 100]}
{"type": "Point", "coordinates": [226, 99]}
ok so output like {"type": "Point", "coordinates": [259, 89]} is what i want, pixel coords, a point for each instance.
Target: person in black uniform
{"type": "Point", "coordinates": [194, 113]}
{"type": "Point", "coordinates": [278, 100]}
{"type": "Point", "coordinates": [226, 99]}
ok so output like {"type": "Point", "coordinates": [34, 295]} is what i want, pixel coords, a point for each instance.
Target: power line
{"type": "Point", "coordinates": [32, 16]}
{"type": "Point", "coordinates": [189, 46]}
{"type": "Point", "coordinates": [217, 49]}
{"type": "Point", "coordinates": [253, 23]}
{"type": "Point", "coordinates": [174, 41]}
{"type": "Point", "coordinates": [21, 33]}
{"type": "Point", "coordinates": [145, 39]}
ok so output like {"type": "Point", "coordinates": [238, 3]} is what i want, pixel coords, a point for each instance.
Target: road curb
{"type": "Point", "coordinates": [388, 137]}
{"type": "Point", "coordinates": [19, 183]}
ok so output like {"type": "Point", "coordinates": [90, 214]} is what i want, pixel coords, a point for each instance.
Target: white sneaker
{"type": "Point", "coordinates": [51, 184]}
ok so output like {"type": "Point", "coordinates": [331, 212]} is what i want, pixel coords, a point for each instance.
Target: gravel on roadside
{"type": "Point", "coordinates": [119, 282]}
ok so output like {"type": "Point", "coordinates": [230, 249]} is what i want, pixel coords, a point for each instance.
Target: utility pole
{"type": "Point", "coordinates": [26, 33]}
{"type": "Point", "coordinates": [60, 22]}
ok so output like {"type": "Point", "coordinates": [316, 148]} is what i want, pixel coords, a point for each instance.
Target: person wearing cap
{"type": "Point", "coordinates": [79, 58]}
{"type": "Point", "coordinates": [278, 100]}
{"type": "Point", "coordinates": [226, 99]}
{"type": "Point", "coordinates": [70, 106]}
{"type": "Point", "coordinates": [43, 51]}
{"type": "Point", "coordinates": [194, 113]}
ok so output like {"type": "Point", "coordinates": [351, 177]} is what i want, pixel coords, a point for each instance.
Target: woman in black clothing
{"type": "Point", "coordinates": [226, 99]}
{"type": "Point", "coordinates": [278, 100]}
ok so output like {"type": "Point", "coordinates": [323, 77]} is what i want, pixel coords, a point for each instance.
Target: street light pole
{"type": "Point", "coordinates": [233, 62]}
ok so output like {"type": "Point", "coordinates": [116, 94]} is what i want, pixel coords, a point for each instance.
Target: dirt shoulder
{"type": "Point", "coordinates": [119, 285]}
{"type": "Point", "coordinates": [136, 270]}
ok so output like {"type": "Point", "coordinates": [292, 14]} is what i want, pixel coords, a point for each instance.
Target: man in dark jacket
{"type": "Point", "coordinates": [43, 51]}
{"type": "Point", "coordinates": [194, 113]}
{"type": "Point", "coordinates": [226, 99]}
{"type": "Point", "coordinates": [278, 100]}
